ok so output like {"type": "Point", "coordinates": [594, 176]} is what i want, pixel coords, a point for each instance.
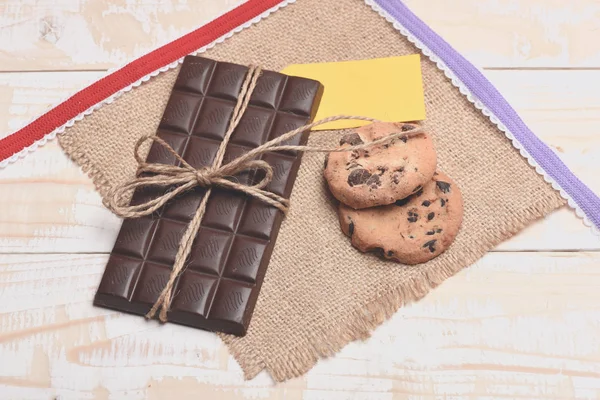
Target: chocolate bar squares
{"type": "Point", "coordinates": [220, 285]}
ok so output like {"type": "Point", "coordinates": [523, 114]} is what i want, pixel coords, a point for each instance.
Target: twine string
{"type": "Point", "coordinates": [181, 178]}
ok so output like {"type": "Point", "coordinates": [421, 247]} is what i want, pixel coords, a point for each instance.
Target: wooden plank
{"type": "Point", "coordinates": [563, 110]}
{"type": "Point", "coordinates": [94, 34]}
{"type": "Point", "coordinates": [560, 106]}
{"type": "Point", "coordinates": [24, 96]}
{"type": "Point", "coordinates": [514, 325]}
{"type": "Point", "coordinates": [517, 33]}
{"type": "Point", "coordinates": [49, 205]}
{"type": "Point", "coordinates": [89, 34]}
{"type": "Point", "coordinates": [70, 214]}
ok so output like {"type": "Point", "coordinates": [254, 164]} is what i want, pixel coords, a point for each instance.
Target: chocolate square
{"type": "Point", "coordinates": [224, 272]}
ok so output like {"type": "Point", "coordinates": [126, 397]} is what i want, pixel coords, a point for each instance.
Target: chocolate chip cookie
{"type": "Point", "coordinates": [410, 231]}
{"type": "Point", "coordinates": [381, 174]}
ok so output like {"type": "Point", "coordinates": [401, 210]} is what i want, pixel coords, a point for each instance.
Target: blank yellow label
{"type": "Point", "coordinates": [387, 89]}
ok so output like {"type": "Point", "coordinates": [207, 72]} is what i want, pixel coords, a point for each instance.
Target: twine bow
{"type": "Point", "coordinates": [184, 177]}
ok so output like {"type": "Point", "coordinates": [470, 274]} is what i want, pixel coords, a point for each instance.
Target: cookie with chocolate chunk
{"type": "Point", "coordinates": [410, 231]}
{"type": "Point", "coordinates": [382, 174]}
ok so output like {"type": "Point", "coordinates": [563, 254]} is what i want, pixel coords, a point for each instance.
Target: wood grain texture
{"type": "Point", "coordinates": [517, 33]}
{"type": "Point", "coordinates": [484, 343]}
{"type": "Point", "coordinates": [91, 34]}
{"type": "Point", "coordinates": [523, 323]}
{"type": "Point", "coordinates": [24, 96]}
{"type": "Point", "coordinates": [563, 109]}
{"type": "Point", "coordinates": [88, 34]}
{"type": "Point", "coordinates": [560, 106]}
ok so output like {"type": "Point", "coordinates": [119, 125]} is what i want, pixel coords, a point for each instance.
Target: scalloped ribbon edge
{"type": "Point", "coordinates": [52, 135]}
{"type": "Point", "coordinates": [464, 89]}
{"type": "Point", "coordinates": [399, 27]}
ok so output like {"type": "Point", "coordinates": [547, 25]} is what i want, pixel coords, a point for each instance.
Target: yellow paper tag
{"type": "Point", "coordinates": [388, 89]}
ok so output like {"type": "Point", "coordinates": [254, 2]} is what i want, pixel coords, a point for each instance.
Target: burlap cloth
{"type": "Point", "coordinates": [320, 293]}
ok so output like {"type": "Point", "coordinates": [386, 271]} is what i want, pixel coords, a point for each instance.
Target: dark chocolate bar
{"type": "Point", "coordinates": [220, 286]}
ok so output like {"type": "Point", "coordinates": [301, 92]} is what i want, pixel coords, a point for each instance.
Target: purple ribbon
{"type": "Point", "coordinates": [482, 89]}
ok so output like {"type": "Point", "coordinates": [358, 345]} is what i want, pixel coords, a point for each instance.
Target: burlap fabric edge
{"type": "Point", "coordinates": [359, 325]}
{"type": "Point", "coordinates": [356, 325]}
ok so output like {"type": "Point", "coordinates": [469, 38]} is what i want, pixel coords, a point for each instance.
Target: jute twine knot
{"type": "Point", "coordinates": [203, 176]}
{"type": "Point", "coordinates": [181, 178]}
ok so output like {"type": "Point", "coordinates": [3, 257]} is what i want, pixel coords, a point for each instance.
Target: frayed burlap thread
{"type": "Point", "coordinates": [339, 295]}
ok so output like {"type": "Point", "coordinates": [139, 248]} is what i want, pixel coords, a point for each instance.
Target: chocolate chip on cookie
{"type": "Point", "coordinates": [358, 177]}
{"type": "Point", "coordinates": [443, 186]}
{"type": "Point", "coordinates": [412, 230]}
{"type": "Point", "coordinates": [430, 245]}
{"type": "Point", "coordinates": [351, 138]}
{"type": "Point", "coordinates": [381, 174]}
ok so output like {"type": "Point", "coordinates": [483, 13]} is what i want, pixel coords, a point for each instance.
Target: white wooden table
{"type": "Point", "coordinates": [524, 322]}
